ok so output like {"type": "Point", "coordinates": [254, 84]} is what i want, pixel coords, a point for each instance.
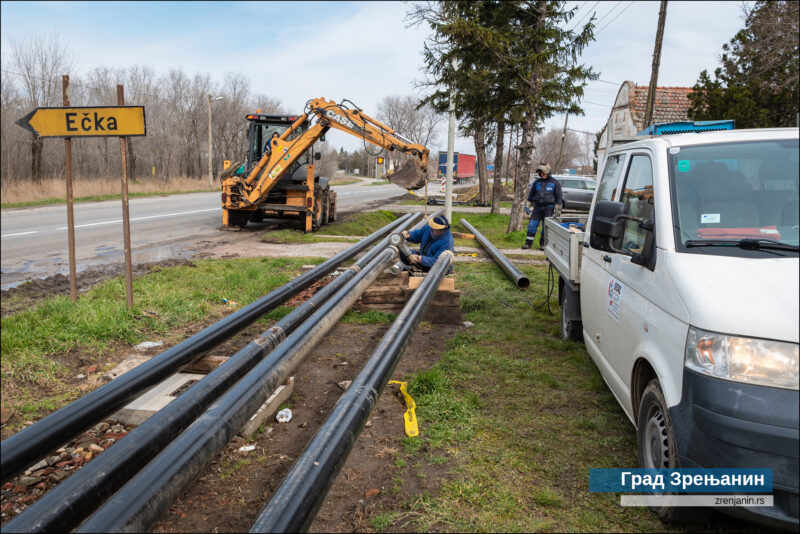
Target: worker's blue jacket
{"type": "Point", "coordinates": [430, 248]}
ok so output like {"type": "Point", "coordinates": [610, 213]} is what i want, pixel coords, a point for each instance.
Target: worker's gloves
{"type": "Point", "coordinates": [557, 210]}
{"type": "Point", "coordinates": [406, 234]}
{"type": "Point", "coordinates": [414, 259]}
{"type": "Point", "coordinates": [527, 208]}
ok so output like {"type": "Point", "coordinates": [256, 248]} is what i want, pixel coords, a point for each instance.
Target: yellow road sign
{"type": "Point", "coordinates": [107, 121]}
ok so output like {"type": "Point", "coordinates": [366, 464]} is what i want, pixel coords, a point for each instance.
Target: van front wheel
{"type": "Point", "coordinates": [659, 450]}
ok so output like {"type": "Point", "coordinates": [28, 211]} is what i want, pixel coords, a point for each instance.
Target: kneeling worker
{"type": "Point", "coordinates": [434, 238]}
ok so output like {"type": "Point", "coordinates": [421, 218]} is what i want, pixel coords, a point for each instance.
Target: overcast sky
{"type": "Point", "coordinates": [362, 51]}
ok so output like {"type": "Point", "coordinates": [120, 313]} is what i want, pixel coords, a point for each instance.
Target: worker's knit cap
{"type": "Point", "coordinates": [439, 222]}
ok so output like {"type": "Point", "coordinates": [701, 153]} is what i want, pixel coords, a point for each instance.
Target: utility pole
{"type": "Point", "coordinates": [651, 91]}
{"type": "Point", "coordinates": [557, 167]}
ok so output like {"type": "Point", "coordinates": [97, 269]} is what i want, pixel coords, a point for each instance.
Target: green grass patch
{"type": "Point", "coordinates": [297, 237]}
{"type": "Point", "coordinates": [517, 416]}
{"type": "Point", "coordinates": [98, 198]}
{"type": "Point", "coordinates": [356, 224]}
{"type": "Point", "coordinates": [368, 317]}
{"type": "Point", "coordinates": [344, 181]}
{"type": "Point", "coordinates": [379, 182]}
{"type": "Point", "coordinates": [164, 301]}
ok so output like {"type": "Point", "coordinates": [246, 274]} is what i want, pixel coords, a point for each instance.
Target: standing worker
{"type": "Point", "coordinates": [434, 238]}
{"type": "Point", "coordinates": [545, 196]}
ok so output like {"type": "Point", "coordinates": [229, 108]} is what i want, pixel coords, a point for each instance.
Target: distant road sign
{"type": "Point", "coordinates": [110, 121]}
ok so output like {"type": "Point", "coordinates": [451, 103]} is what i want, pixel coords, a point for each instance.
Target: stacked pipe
{"type": "Point", "coordinates": [514, 274]}
{"type": "Point", "coordinates": [28, 445]}
{"type": "Point", "coordinates": [75, 498]}
{"type": "Point", "coordinates": [140, 502]}
{"type": "Point", "coordinates": [147, 495]}
{"type": "Point", "coordinates": [295, 503]}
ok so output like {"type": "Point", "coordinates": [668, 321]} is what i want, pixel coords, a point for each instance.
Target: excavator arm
{"type": "Point", "coordinates": [322, 115]}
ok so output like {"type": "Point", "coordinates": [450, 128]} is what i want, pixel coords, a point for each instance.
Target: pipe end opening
{"type": "Point", "coordinates": [523, 283]}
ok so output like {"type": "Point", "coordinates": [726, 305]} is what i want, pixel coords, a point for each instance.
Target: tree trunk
{"type": "Point", "coordinates": [524, 178]}
{"type": "Point", "coordinates": [528, 129]}
{"type": "Point", "coordinates": [497, 186]}
{"type": "Point", "coordinates": [480, 154]}
{"type": "Point", "coordinates": [36, 158]}
{"type": "Point", "coordinates": [131, 160]}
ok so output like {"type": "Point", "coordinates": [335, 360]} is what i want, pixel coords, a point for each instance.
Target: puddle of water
{"type": "Point", "coordinates": [107, 255]}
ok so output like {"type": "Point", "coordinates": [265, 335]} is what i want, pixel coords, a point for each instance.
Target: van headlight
{"type": "Point", "coordinates": [743, 359]}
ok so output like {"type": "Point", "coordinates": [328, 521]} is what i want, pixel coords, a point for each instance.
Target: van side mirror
{"type": "Point", "coordinates": [607, 224]}
{"type": "Point", "coordinates": [608, 229]}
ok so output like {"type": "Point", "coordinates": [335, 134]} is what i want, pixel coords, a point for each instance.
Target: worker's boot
{"type": "Point", "coordinates": [527, 245]}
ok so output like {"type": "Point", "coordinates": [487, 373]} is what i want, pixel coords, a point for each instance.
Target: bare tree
{"type": "Point", "coordinates": [39, 64]}
{"type": "Point", "coordinates": [576, 150]}
{"type": "Point", "coordinates": [417, 124]}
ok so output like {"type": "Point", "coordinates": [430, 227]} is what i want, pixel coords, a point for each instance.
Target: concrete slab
{"type": "Point", "coordinates": [269, 408]}
{"type": "Point", "coordinates": [141, 408]}
{"type": "Point", "coordinates": [125, 365]}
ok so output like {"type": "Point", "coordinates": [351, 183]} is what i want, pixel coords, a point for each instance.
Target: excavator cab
{"type": "Point", "coordinates": [262, 127]}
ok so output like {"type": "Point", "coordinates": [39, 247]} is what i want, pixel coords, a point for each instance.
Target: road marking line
{"type": "Point", "coordinates": [140, 218]}
{"type": "Point", "coordinates": [21, 233]}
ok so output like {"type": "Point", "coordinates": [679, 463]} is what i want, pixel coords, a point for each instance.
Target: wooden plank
{"type": "Point", "coordinates": [463, 235]}
{"type": "Point", "coordinates": [205, 365]}
{"type": "Point", "coordinates": [441, 298]}
{"type": "Point", "coordinates": [448, 284]}
{"type": "Point", "coordinates": [435, 314]}
{"type": "Point", "coordinates": [389, 279]}
{"type": "Point", "coordinates": [387, 297]}
{"type": "Point", "coordinates": [269, 408]}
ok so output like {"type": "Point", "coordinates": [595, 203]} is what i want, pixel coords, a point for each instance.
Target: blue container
{"type": "Point", "coordinates": [687, 127]}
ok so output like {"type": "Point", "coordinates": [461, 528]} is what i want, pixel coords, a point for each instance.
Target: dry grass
{"type": "Point", "coordinates": [82, 187]}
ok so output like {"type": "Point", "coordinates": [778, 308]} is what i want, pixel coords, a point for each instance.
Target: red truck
{"type": "Point", "coordinates": [464, 166]}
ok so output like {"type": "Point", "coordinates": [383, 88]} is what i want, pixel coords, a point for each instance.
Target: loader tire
{"type": "Point", "coordinates": [238, 218]}
{"type": "Point", "coordinates": [316, 220]}
{"type": "Point", "coordinates": [332, 206]}
{"type": "Point", "coordinates": [326, 200]}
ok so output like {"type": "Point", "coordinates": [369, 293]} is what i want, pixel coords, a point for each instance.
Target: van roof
{"type": "Point", "coordinates": [703, 138]}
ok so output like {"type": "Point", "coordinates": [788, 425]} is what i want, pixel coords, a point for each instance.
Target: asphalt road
{"type": "Point", "coordinates": [33, 241]}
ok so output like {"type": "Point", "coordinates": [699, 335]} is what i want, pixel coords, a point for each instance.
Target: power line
{"type": "Point", "coordinates": [584, 16]}
{"type": "Point", "coordinates": [609, 12]}
{"type": "Point", "coordinates": [615, 18]}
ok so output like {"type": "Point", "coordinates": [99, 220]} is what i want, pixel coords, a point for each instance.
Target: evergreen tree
{"type": "Point", "coordinates": [516, 61]}
{"type": "Point", "coordinates": [757, 81]}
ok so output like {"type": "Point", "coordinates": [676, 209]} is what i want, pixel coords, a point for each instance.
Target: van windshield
{"type": "Point", "coordinates": [735, 196]}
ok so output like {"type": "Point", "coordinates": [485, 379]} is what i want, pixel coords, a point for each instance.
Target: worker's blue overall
{"type": "Point", "coordinates": [544, 194]}
{"type": "Point", "coordinates": [430, 247]}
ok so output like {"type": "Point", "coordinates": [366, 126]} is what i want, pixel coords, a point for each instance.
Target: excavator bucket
{"type": "Point", "coordinates": [410, 176]}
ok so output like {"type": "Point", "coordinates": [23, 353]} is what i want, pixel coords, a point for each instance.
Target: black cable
{"type": "Point", "coordinates": [550, 287]}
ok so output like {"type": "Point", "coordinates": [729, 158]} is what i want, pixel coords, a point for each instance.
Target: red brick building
{"type": "Point", "coordinates": [627, 115]}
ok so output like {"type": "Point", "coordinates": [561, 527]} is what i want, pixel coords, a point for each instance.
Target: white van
{"type": "Point", "coordinates": [687, 298]}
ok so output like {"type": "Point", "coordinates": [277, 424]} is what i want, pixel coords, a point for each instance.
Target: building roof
{"type": "Point", "coordinates": [672, 104]}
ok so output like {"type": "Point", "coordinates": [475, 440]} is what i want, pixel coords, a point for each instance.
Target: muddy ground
{"type": "Point", "coordinates": [230, 493]}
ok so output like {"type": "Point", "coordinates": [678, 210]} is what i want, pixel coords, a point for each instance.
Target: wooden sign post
{"type": "Point", "coordinates": [109, 121]}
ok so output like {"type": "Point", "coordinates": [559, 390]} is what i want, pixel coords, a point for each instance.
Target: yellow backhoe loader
{"type": "Point", "coordinates": [278, 178]}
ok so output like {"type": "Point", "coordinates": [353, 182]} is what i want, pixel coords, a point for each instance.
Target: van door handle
{"type": "Point", "coordinates": [606, 258]}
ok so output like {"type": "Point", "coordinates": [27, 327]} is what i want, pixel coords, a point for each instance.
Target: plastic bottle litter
{"type": "Point", "coordinates": [284, 416]}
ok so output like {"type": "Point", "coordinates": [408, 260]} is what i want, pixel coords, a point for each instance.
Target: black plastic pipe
{"type": "Point", "coordinates": [516, 276]}
{"type": "Point", "coordinates": [295, 503]}
{"type": "Point", "coordinates": [147, 495]}
{"type": "Point", "coordinates": [74, 499]}
{"type": "Point", "coordinates": [32, 443]}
